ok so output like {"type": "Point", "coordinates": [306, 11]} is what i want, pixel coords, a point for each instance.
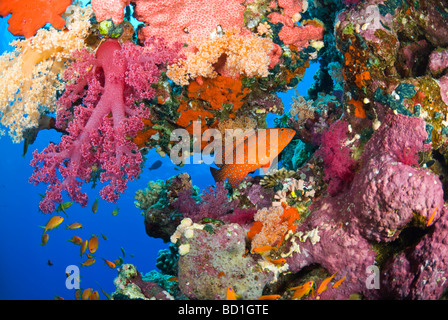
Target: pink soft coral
{"type": "Point", "coordinates": [99, 128]}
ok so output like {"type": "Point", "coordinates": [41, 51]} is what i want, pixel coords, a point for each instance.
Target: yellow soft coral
{"type": "Point", "coordinates": [31, 74]}
{"type": "Point", "coordinates": [231, 54]}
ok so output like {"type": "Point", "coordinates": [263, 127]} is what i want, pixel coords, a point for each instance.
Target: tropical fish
{"type": "Point", "coordinates": [269, 297]}
{"type": "Point", "coordinates": [50, 263]}
{"type": "Point", "coordinates": [95, 295]}
{"type": "Point", "coordinates": [338, 283]}
{"type": "Point", "coordinates": [303, 290]}
{"type": "Point", "coordinates": [122, 251]}
{"type": "Point", "coordinates": [281, 261]}
{"type": "Point", "coordinates": [431, 217]}
{"type": "Point", "coordinates": [110, 264]}
{"type": "Point", "coordinates": [45, 237]}
{"type": "Point", "coordinates": [173, 279]}
{"type": "Point", "coordinates": [323, 285]}
{"type": "Point", "coordinates": [118, 262]}
{"type": "Point", "coordinates": [156, 165]}
{"type": "Point", "coordinates": [230, 294]}
{"type": "Point", "coordinates": [260, 147]}
{"type": "Point", "coordinates": [84, 245]}
{"type": "Point", "coordinates": [88, 262]}
{"type": "Point", "coordinates": [104, 292]}
{"type": "Point", "coordinates": [263, 249]}
{"type": "Point", "coordinates": [64, 205]}
{"type": "Point", "coordinates": [93, 244]}
{"type": "Point", "coordinates": [74, 225]}
{"type": "Point", "coordinates": [115, 212]}
{"type": "Point", "coordinates": [104, 237]}
{"type": "Point", "coordinates": [95, 205]}
{"type": "Point", "coordinates": [58, 298]}
{"type": "Point", "coordinates": [78, 294]}
{"type": "Point", "coordinates": [86, 294]}
{"type": "Point", "coordinates": [76, 240]}
{"type": "Point", "coordinates": [53, 223]}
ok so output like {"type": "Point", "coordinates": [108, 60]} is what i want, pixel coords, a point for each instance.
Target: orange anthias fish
{"type": "Point", "coordinates": [76, 240]}
{"type": "Point", "coordinates": [53, 223]}
{"type": "Point", "coordinates": [323, 285]}
{"type": "Point", "coordinates": [110, 264]}
{"type": "Point", "coordinates": [45, 237]}
{"type": "Point", "coordinates": [93, 244]}
{"type": "Point", "coordinates": [74, 225]}
{"type": "Point", "coordinates": [88, 262]}
{"type": "Point", "coordinates": [260, 148]}
{"type": "Point", "coordinates": [230, 294]}
{"type": "Point", "coordinates": [303, 290]}
{"type": "Point", "coordinates": [338, 283]}
{"type": "Point", "coordinates": [84, 245]}
{"type": "Point", "coordinates": [431, 218]}
{"type": "Point", "coordinates": [86, 294]}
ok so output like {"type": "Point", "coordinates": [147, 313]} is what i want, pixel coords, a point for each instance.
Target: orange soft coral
{"type": "Point", "coordinates": [271, 226]}
{"type": "Point", "coordinates": [27, 16]}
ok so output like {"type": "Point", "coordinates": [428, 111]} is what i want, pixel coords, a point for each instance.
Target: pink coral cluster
{"type": "Point", "coordinates": [99, 129]}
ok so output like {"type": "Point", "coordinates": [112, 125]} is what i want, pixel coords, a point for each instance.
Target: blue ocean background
{"type": "Point", "coordinates": [24, 269]}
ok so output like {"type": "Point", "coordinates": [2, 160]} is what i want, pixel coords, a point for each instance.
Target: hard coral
{"type": "Point", "coordinates": [27, 16]}
{"type": "Point", "coordinates": [215, 261]}
{"type": "Point", "coordinates": [116, 78]}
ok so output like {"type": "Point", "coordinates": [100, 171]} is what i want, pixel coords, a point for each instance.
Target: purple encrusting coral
{"type": "Point", "coordinates": [383, 199]}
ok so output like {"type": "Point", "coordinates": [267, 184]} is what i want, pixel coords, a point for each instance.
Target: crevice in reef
{"type": "Point", "coordinates": [408, 237]}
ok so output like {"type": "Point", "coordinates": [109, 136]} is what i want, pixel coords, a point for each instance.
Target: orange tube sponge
{"type": "Point", "coordinates": [27, 16]}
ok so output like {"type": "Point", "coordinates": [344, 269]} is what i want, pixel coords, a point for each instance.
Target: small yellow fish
{"type": "Point", "coordinates": [86, 294]}
{"type": "Point", "coordinates": [45, 237]}
{"type": "Point", "coordinates": [74, 225]}
{"type": "Point", "coordinates": [84, 245]}
{"type": "Point", "coordinates": [95, 205]}
{"type": "Point", "coordinates": [53, 223]}
{"type": "Point", "coordinates": [115, 212]}
{"type": "Point", "coordinates": [63, 206]}
{"type": "Point", "coordinates": [109, 263]}
{"type": "Point", "coordinates": [93, 244]}
{"type": "Point", "coordinates": [95, 295]}
{"type": "Point", "coordinates": [88, 262]}
{"type": "Point", "coordinates": [338, 283]}
{"type": "Point", "coordinates": [76, 240]}
{"type": "Point", "coordinates": [323, 285]}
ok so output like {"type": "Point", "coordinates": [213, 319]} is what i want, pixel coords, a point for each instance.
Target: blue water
{"type": "Point", "coordinates": [24, 269]}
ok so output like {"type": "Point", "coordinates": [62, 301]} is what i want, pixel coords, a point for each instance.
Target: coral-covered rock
{"type": "Point", "coordinates": [212, 259]}
{"type": "Point", "coordinates": [385, 196]}
{"type": "Point", "coordinates": [420, 271]}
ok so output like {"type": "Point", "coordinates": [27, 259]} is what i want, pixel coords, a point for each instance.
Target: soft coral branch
{"type": "Point", "coordinates": [101, 127]}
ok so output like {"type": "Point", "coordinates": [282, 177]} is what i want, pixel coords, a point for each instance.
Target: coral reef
{"type": "Point", "coordinates": [358, 185]}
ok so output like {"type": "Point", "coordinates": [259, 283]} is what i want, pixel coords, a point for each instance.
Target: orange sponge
{"type": "Point", "coordinates": [27, 16]}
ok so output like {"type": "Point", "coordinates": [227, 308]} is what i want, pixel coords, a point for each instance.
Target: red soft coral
{"type": "Point", "coordinates": [110, 85]}
{"type": "Point", "coordinates": [338, 164]}
{"type": "Point", "coordinates": [27, 16]}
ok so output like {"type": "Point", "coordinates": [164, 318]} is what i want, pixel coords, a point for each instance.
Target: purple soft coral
{"type": "Point", "coordinates": [99, 129]}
